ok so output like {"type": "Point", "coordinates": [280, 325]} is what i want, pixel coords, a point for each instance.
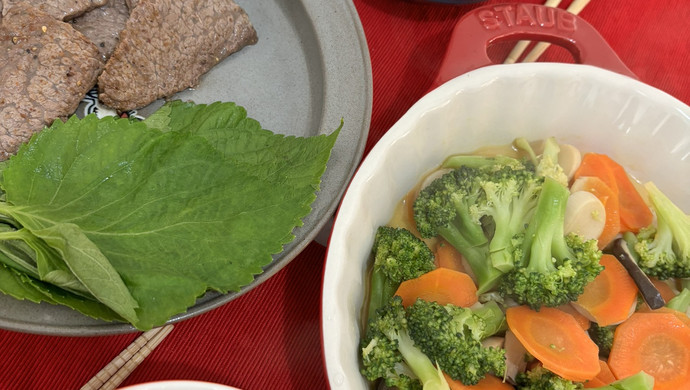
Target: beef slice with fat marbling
{"type": "Point", "coordinates": [47, 67]}
{"type": "Point", "coordinates": [168, 45]}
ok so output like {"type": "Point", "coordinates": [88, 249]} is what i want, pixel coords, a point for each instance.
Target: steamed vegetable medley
{"type": "Point", "coordinates": [505, 270]}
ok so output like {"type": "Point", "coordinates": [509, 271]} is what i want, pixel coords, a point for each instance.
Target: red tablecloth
{"type": "Point", "coordinates": [270, 337]}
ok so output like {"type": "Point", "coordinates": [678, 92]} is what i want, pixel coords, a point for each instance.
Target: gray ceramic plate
{"type": "Point", "coordinates": [309, 69]}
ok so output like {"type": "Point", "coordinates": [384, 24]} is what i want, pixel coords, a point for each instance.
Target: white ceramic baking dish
{"type": "Point", "coordinates": [643, 128]}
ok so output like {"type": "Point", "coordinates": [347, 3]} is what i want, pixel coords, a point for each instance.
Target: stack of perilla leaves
{"type": "Point", "coordinates": [127, 220]}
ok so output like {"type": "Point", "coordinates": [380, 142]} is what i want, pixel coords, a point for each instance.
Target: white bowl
{"type": "Point", "coordinates": [644, 129]}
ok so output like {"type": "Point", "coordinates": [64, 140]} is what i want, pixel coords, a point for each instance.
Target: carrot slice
{"type": "Point", "coordinates": [604, 378]}
{"type": "Point", "coordinates": [595, 165]}
{"type": "Point", "coordinates": [583, 321]}
{"type": "Point", "coordinates": [442, 285]}
{"type": "Point", "coordinates": [608, 197]}
{"type": "Point", "coordinates": [633, 210]}
{"type": "Point", "coordinates": [555, 339]}
{"type": "Point", "coordinates": [612, 296]}
{"type": "Point", "coordinates": [489, 382]}
{"type": "Point", "coordinates": [447, 256]}
{"type": "Point", "coordinates": [657, 343]}
{"type": "Point", "coordinates": [681, 315]}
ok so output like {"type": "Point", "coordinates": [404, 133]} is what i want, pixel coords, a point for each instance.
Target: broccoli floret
{"type": "Point", "coordinates": [481, 208]}
{"type": "Point", "coordinates": [452, 335]}
{"type": "Point", "coordinates": [663, 250]}
{"type": "Point", "coordinates": [540, 378]}
{"type": "Point", "coordinates": [546, 164]}
{"type": "Point", "coordinates": [388, 353]}
{"type": "Point", "coordinates": [602, 337]}
{"type": "Point", "coordinates": [508, 197]}
{"type": "Point", "coordinates": [399, 255]}
{"type": "Point", "coordinates": [554, 268]}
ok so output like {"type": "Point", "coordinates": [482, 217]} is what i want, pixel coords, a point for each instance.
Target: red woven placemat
{"type": "Point", "coordinates": [270, 337]}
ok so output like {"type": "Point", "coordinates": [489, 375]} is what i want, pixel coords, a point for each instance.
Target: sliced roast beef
{"type": "Point", "coordinates": [59, 9]}
{"type": "Point", "coordinates": [167, 45]}
{"type": "Point", "coordinates": [102, 25]}
{"type": "Point", "coordinates": [46, 67]}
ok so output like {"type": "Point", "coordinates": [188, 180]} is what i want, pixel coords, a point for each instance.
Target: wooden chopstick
{"type": "Point", "coordinates": [521, 46]}
{"type": "Point", "coordinates": [540, 47]}
{"type": "Point", "coordinates": [113, 374]}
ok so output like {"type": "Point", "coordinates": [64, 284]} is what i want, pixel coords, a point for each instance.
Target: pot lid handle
{"type": "Point", "coordinates": [484, 26]}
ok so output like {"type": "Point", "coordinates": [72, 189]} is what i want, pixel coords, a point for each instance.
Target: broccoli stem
{"type": "Point", "coordinates": [547, 164]}
{"type": "Point", "coordinates": [500, 246]}
{"type": "Point", "coordinates": [544, 238]}
{"type": "Point", "coordinates": [677, 222]}
{"type": "Point", "coordinates": [430, 375]}
{"type": "Point", "coordinates": [524, 145]}
{"type": "Point", "coordinates": [477, 257]}
{"type": "Point", "coordinates": [630, 240]}
{"type": "Point", "coordinates": [551, 149]}
{"type": "Point", "coordinates": [639, 381]}
{"type": "Point", "coordinates": [465, 226]}
{"type": "Point", "coordinates": [469, 239]}
{"type": "Point", "coordinates": [494, 319]}
{"type": "Point", "coordinates": [508, 221]}
{"type": "Point", "coordinates": [680, 302]}
{"type": "Point", "coordinates": [380, 291]}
